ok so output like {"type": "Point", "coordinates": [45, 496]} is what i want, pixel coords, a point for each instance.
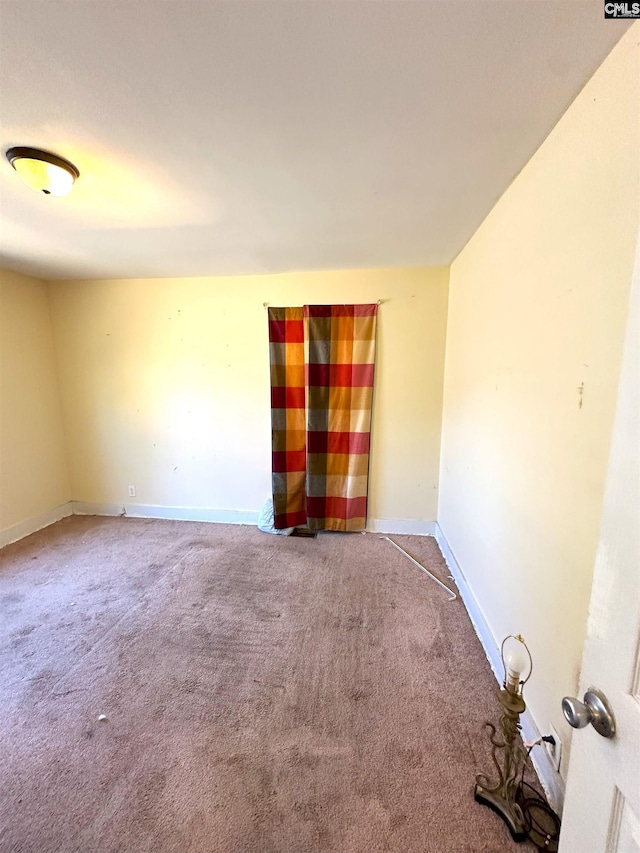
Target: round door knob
{"type": "Point", "coordinates": [576, 713]}
{"type": "Point", "coordinates": [595, 710]}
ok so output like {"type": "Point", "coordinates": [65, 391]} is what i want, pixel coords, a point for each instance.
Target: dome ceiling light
{"type": "Point", "coordinates": [43, 171]}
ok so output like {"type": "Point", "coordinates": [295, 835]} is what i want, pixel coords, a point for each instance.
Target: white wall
{"type": "Point", "coordinates": [165, 386]}
{"type": "Point", "coordinates": [33, 470]}
{"type": "Point", "coordinates": [538, 301]}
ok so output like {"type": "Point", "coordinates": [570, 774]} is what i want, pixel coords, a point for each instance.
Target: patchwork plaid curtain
{"type": "Point", "coordinates": [322, 364]}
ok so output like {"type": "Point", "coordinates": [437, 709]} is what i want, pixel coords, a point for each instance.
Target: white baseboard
{"type": "Point", "coordinates": [550, 779]}
{"type": "Point", "coordinates": [234, 516]}
{"type": "Point", "coordinates": [31, 525]}
{"type": "Point", "coordinates": [177, 513]}
{"type": "Point", "coordinates": [407, 526]}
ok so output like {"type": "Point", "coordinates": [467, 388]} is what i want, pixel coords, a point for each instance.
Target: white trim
{"type": "Point", "coordinates": [478, 619]}
{"type": "Point", "coordinates": [407, 526]}
{"type": "Point", "coordinates": [31, 525]}
{"type": "Point", "coordinates": [177, 513]}
{"type": "Point", "coordinates": [550, 779]}
{"type": "Point", "coordinates": [400, 526]}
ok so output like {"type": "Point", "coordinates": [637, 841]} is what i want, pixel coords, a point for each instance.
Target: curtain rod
{"type": "Point", "coordinates": [379, 302]}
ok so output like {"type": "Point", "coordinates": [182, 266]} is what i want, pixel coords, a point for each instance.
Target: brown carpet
{"type": "Point", "coordinates": [262, 693]}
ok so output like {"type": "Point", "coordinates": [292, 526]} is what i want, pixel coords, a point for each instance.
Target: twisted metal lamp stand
{"type": "Point", "coordinates": [501, 796]}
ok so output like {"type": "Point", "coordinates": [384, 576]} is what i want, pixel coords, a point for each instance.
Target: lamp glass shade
{"type": "Point", "coordinates": [44, 177]}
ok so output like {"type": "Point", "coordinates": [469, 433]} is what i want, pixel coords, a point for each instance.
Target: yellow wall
{"type": "Point", "coordinates": [33, 472]}
{"type": "Point", "coordinates": [165, 386]}
{"type": "Point", "coordinates": [538, 301]}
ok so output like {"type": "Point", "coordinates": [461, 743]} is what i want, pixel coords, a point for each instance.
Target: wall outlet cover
{"type": "Point", "coordinates": [132, 491]}
{"type": "Point", "coordinates": [554, 750]}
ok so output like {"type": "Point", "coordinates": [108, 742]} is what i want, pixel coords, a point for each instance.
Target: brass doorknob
{"type": "Point", "coordinates": [595, 710]}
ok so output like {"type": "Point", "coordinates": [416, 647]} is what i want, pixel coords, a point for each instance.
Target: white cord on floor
{"type": "Point", "coordinates": [415, 562]}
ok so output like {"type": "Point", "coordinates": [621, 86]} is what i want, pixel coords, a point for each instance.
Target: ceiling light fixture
{"type": "Point", "coordinates": [43, 171]}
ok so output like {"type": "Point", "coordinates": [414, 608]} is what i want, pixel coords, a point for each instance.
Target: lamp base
{"type": "Point", "coordinates": [510, 812]}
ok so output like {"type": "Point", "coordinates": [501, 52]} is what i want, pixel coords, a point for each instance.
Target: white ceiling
{"type": "Point", "coordinates": [240, 137]}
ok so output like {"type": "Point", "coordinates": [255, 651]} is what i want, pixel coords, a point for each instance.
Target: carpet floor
{"type": "Point", "coordinates": [261, 693]}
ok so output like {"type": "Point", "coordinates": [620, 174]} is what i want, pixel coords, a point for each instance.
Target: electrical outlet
{"type": "Point", "coordinates": [554, 749]}
{"type": "Point", "coordinates": [132, 491]}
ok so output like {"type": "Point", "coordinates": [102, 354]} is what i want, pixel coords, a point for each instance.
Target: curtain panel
{"type": "Point", "coordinates": [322, 370]}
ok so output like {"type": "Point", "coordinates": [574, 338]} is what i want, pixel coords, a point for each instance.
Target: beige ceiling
{"type": "Point", "coordinates": [241, 137]}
